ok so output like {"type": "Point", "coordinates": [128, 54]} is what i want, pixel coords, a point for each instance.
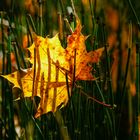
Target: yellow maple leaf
{"type": "Point", "coordinates": [20, 80]}
{"type": "Point", "coordinates": [50, 63]}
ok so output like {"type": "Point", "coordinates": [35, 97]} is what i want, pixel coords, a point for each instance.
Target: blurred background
{"type": "Point", "coordinates": [112, 24]}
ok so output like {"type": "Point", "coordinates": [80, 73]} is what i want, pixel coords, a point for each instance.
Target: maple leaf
{"type": "Point", "coordinates": [77, 48]}
{"type": "Point", "coordinates": [50, 63]}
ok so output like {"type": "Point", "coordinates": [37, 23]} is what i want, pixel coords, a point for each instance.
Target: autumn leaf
{"type": "Point", "coordinates": [50, 63]}
{"type": "Point", "coordinates": [22, 80]}
{"type": "Point", "coordinates": [76, 44]}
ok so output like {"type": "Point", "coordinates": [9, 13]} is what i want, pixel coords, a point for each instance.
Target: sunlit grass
{"type": "Point", "coordinates": [107, 108]}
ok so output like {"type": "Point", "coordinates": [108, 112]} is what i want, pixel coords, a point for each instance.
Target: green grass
{"type": "Point", "coordinates": [94, 110]}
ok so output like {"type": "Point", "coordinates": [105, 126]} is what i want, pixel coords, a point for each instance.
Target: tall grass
{"type": "Point", "coordinates": [95, 110]}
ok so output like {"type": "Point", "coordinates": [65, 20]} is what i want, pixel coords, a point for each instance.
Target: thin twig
{"type": "Point", "coordinates": [134, 12]}
{"type": "Point", "coordinates": [72, 4]}
{"type": "Point", "coordinates": [126, 73]}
